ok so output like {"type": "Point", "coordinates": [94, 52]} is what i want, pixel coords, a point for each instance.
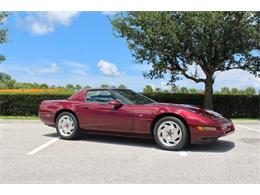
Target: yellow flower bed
{"type": "Point", "coordinates": [30, 90]}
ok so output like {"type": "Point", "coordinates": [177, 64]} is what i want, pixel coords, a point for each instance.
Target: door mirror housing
{"type": "Point", "coordinates": [115, 103]}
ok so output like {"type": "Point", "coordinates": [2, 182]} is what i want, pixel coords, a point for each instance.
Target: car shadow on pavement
{"type": "Point", "coordinates": [51, 135]}
{"type": "Point", "coordinates": [113, 139]}
{"type": "Point", "coordinates": [219, 146]}
{"type": "Point", "coordinates": [120, 140]}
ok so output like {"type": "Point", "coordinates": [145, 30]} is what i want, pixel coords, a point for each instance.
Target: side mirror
{"type": "Point", "coordinates": [115, 103]}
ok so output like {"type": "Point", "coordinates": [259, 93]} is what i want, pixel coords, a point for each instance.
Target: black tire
{"type": "Point", "coordinates": [76, 132]}
{"type": "Point", "coordinates": [183, 140]}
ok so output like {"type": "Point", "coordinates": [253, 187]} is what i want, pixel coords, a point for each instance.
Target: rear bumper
{"type": "Point", "coordinates": [198, 136]}
{"type": "Point", "coordinates": [47, 117]}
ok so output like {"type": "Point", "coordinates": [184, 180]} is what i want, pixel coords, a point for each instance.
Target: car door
{"type": "Point", "coordinates": [98, 114]}
{"type": "Point", "coordinates": [143, 117]}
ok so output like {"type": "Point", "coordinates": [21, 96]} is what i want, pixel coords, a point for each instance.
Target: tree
{"type": "Point", "coordinates": [78, 87]}
{"type": "Point", "coordinates": [174, 43]}
{"type": "Point", "coordinates": [174, 89]}
{"type": "Point", "coordinates": [105, 86]}
{"type": "Point", "coordinates": [225, 91]}
{"type": "Point", "coordinates": [122, 86]}
{"type": "Point", "coordinates": [183, 90]}
{"type": "Point", "coordinates": [5, 77]}
{"type": "Point", "coordinates": [165, 91]}
{"type": "Point", "coordinates": [250, 91]}
{"type": "Point", "coordinates": [42, 86]}
{"type": "Point", "coordinates": [3, 33]}
{"type": "Point", "coordinates": [6, 81]}
{"type": "Point", "coordinates": [148, 89]}
{"type": "Point", "coordinates": [158, 90]}
{"type": "Point", "coordinates": [70, 87]}
{"type": "Point", "coordinates": [36, 85]}
{"type": "Point", "coordinates": [234, 91]}
{"type": "Point", "coordinates": [193, 91]}
{"type": "Point", "coordinates": [242, 92]}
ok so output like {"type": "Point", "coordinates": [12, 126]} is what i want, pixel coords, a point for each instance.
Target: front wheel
{"type": "Point", "coordinates": [170, 133]}
{"type": "Point", "coordinates": [67, 126]}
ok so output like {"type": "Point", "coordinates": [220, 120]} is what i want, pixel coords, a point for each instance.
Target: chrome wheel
{"type": "Point", "coordinates": [66, 125]}
{"type": "Point", "coordinates": [169, 133]}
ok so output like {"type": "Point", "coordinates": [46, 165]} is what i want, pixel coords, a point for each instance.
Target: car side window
{"type": "Point", "coordinates": [101, 96]}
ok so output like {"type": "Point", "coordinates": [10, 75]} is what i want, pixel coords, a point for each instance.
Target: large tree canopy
{"type": "Point", "coordinates": [3, 33]}
{"type": "Point", "coordinates": [175, 43]}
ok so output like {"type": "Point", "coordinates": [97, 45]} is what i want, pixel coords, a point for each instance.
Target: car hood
{"type": "Point", "coordinates": [184, 106]}
{"type": "Point", "coordinates": [198, 110]}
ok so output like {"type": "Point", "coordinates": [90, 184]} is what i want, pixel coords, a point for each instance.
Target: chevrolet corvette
{"type": "Point", "coordinates": [127, 113]}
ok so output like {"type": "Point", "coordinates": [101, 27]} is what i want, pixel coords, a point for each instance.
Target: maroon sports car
{"type": "Point", "coordinates": [124, 112]}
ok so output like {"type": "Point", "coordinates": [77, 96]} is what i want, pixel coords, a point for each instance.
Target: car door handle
{"type": "Point", "coordinates": [85, 107]}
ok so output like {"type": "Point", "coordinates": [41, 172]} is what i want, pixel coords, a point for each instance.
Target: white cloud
{"type": "Point", "coordinates": [236, 78]}
{"type": "Point", "coordinates": [78, 68]}
{"type": "Point", "coordinates": [109, 69]}
{"type": "Point", "coordinates": [40, 23]}
{"type": "Point", "coordinates": [52, 69]}
{"type": "Point", "coordinates": [74, 64]}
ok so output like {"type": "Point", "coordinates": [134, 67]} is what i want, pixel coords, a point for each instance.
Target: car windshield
{"type": "Point", "coordinates": [131, 97]}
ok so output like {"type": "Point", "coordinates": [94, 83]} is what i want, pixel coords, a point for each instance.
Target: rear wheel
{"type": "Point", "coordinates": [170, 133]}
{"type": "Point", "coordinates": [67, 126]}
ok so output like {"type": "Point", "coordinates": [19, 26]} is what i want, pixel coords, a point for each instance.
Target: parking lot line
{"type": "Point", "coordinates": [34, 151]}
{"type": "Point", "coordinates": [249, 128]}
{"type": "Point", "coordinates": [182, 153]}
{"type": "Point", "coordinates": [4, 124]}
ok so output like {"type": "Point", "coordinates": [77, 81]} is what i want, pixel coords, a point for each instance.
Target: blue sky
{"type": "Point", "coordinates": [58, 48]}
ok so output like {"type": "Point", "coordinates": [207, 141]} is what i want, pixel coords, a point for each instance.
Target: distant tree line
{"type": "Point", "coordinates": [223, 91]}
{"type": "Point", "coordinates": [6, 82]}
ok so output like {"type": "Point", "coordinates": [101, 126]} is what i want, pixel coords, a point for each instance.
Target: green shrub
{"type": "Point", "coordinates": [25, 104]}
{"type": "Point", "coordinates": [231, 106]}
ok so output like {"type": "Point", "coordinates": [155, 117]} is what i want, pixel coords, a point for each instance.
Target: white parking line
{"type": "Point", "coordinates": [249, 128]}
{"type": "Point", "coordinates": [34, 151]}
{"type": "Point", "coordinates": [4, 124]}
{"type": "Point", "coordinates": [181, 153]}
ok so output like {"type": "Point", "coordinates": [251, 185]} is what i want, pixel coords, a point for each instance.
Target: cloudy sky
{"type": "Point", "coordinates": [58, 48]}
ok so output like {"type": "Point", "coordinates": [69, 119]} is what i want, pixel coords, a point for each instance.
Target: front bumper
{"type": "Point", "coordinates": [203, 136]}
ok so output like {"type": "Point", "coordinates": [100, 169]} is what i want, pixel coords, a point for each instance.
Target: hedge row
{"type": "Point", "coordinates": [24, 104]}
{"type": "Point", "coordinates": [231, 106]}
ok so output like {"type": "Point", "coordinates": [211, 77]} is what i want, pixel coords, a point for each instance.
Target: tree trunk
{"type": "Point", "coordinates": [208, 99]}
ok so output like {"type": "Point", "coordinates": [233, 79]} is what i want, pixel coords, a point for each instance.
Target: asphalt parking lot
{"type": "Point", "coordinates": [30, 152]}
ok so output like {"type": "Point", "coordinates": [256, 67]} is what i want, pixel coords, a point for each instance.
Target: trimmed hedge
{"type": "Point", "coordinates": [24, 104]}
{"type": "Point", "coordinates": [231, 106]}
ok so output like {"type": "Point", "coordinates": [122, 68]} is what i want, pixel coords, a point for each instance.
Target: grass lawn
{"type": "Point", "coordinates": [19, 117]}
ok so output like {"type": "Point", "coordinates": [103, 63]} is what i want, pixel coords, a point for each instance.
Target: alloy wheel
{"type": "Point", "coordinates": [169, 133]}
{"type": "Point", "coordinates": [66, 125]}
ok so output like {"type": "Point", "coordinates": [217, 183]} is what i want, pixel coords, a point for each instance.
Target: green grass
{"type": "Point", "coordinates": [69, 93]}
{"type": "Point", "coordinates": [20, 117]}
